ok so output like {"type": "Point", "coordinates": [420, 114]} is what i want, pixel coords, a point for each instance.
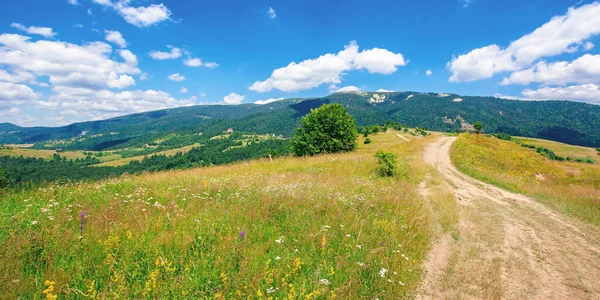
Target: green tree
{"type": "Point", "coordinates": [327, 129]}
{"type": "Point", "coordinates": [367, 141]}
{"type": "Point", "coordinates": [478, 126]}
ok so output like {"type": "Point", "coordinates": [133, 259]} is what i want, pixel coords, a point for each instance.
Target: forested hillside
{"type": "Point", "coordinates": [569, 122]}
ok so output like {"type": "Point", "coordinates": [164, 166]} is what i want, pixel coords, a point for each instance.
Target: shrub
{"type": "Point", "coordinates": [367, 141]}
{"type": "Point", "coordinates": [388, 163]}
{"type": "Point", "coordinates": [503, 136]}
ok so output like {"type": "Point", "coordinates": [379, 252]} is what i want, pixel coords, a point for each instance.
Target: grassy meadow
{"type": "Point", "coordinates": [322, 227]}
{"type": "Point", "coordinates": [125, 161]}
{"type": "Point", "coordinates": [562, 149]}
{"type": "Point", "coordinates": [572, 188]}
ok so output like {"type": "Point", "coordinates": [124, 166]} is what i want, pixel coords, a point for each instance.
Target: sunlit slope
{"type": "Point", "coordinates": [314, 227]}
{"type": "Point", "coordinates": [572, 188]}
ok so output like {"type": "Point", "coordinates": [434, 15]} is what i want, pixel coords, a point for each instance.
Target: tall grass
{"type": "Point", "coordinates": [572, 188]}
{"type": "Point", "coordinates": [323, 227]}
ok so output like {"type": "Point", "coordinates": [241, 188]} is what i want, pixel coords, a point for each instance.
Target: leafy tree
{"type": "Point", "coordinates": [367, 141]}
{"type": "Point", "coordinates": [388, 163]}
{"type": "Point", "coordinates": [3, 182]}
{"type": "Point", "coordinates": [478, 126]}
{"type": "Point", "coordinates": [327, 129]}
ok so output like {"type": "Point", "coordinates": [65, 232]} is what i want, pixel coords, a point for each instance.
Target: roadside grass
{"type": "Point", "coordinates": [562, 149]}
{"type": "Point", "coordinates": [319, 227]}
{"type": "Point", "coordinates": [572, 188]}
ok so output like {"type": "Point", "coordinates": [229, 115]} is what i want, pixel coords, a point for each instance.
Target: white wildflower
{"type": "Point", "coordinates": [382, 272]}
{"type": "Point", "coordinates": [360, 264]}
{"type": "Point", "coordinates": [277, 258]}
{"type": "Point", "coordinates": [34, 222]}
{"type": "Point", "coordinates": [271, 290]}
{"type": "Point", "coordinates": [324, 281]}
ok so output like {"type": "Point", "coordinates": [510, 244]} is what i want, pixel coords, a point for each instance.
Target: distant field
{"type": "Point", "coordinates": [47, 154]}
{"type": "Point", "coordinates": [572, 188]}
{"type": "Point", "coordinates": [561, 149]}
{"type": "Point", "coordinates": [321, 227]}
{"type": "Point", "coordinates": [124, 161]}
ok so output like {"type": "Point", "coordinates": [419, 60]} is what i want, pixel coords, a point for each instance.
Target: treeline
{"type": "Point", "coordinates": [22, 172]}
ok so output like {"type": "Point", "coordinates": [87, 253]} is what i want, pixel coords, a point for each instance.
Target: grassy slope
{"type": "Point", "coordinates": [124, 161]}
{"type": "Point", "coordinates": [47, 154]}
{"type": "Point", "coordinates": [561, 149]}
{"type": "Point", "coordinates": [572, 188]}
{"type": "Point", "coordinates": [319, 226]}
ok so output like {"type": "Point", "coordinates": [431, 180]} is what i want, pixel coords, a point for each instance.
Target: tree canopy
{"type": "Point", "coordinates": [327, 129]}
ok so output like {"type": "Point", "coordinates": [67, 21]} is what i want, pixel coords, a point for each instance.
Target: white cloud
{"type": "Point", "coordinates": [89, 12]}
{"type": "Point", "coordinates": [141, 16]}
{"type": "Point", "coordinates": [349, 88]}
{"type": "Point", "coordinates": [193, 62]}
{"type": "Point", "coordinates": [379, 61]}
{"type": "Point", "coordinates": [202, 95]}
{"type": "Point", "coordinates": [175, 53]}
{"type": "Point", "coordinates": [588, 46]}
{"type": "Point", "coordinates": [233, 99]}
{"type": "Point", "coordinates": [329, 69]}
{"type": "Point", "coordinates": [585, 69]}
{"type": "Point", "coordinates": [211, 65]}
{"type": "Point", "coordinates": [129, 57]}
{"type": "Point", "coordinates": [465, 2]}
{"type": "Point", "coordinates": [12, 92]}
{"type": "Point", "coordinates": [271, 13]}
{"type": "Point", "coordinates": [44, 31]}
{"type": "Point", "coordinates": [183, 90]}
{"type": "Point", "coordinates": [73, 2]}
{"type": "Point", "coordinates": [116, 38]}
{"type": "Point", "coordinates": [557, 36]}
{"type": "Point", "coordinates": [270, 100]}
{"type": "Point", "coordinates": [144, 76]}
{"type": "Point", "coordinates": [428, 72]}
{"type": "Point", "coordinates": [17, 76]}
{"type": "Point", "coordinates": [65, 64]}
{"type": "Point", "coordinates": [589, 93]}
{"type": "Point", "coordinates": [176, 77]}
{"type": "Point", "coordinates": [385, 91]}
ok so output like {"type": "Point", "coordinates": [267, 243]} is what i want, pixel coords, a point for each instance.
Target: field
{"type": "Point", "coordinates": [46, 154]}
{"type": "Point", "coordinates": [564, 150]}
{"type": "Point", "coordinates": [571, 188]}
{"type": "Point", "coordinates": [322, 227]}
{"type": "Point", "coordinates": [124, 161]}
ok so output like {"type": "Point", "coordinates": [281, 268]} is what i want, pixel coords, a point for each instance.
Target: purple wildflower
{"type": "Point", "coordinates": [243, 235]}
{"type": "Point", "coordinates": [82, 222]}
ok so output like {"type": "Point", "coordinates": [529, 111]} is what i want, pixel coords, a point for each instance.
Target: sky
{"type": "Point", "coordinates": [66, 61]}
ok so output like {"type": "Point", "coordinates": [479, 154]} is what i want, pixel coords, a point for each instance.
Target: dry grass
{"type": "Point", "coordinates": [572, 188]}
{"type": "Point", "coordinates": [319, 227]}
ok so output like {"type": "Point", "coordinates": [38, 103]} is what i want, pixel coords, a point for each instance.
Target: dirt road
{"type": "Point", "coordinates": [508, 246]}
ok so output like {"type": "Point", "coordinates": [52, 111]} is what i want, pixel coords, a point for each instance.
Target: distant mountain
{"type": "Point", "coordinates": [564, 121]}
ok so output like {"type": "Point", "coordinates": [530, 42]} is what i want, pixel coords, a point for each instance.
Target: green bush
{"type": "Point", "coordinates": [388, 163]}
{"type": "Point", "coordinates": [367, 141]}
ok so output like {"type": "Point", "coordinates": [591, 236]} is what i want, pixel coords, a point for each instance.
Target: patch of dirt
{"type": "Point", "coordinates": [510, 246]}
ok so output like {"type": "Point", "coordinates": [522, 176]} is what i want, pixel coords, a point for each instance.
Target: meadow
{"type": "Point", "coordinates": [569, 187]}
{"type": "Point", "coordinates": [322, 227]}
{"type": "Point", "coordinates": [561, 149]}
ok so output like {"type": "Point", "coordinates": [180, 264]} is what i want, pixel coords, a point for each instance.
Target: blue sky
{"type": "Point", "coordinates": [63, 61]}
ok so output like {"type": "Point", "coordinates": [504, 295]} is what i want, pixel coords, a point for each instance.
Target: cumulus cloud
{"type": "Point", "coordinates": [588, 46]}
{"type": "Point", "coordinates": [44, 31]}
{"type": "Point", "coordinates": [141, 16]}
{"type": "Point", "coordinates": [116, 38]}
{"type": "Point", "coordinates": [271, 13]}
{"type": "Point", "coordinates": [347, 89]}
{"type": "Point", "coordinates": [176, 77]}
{"type": "Point", "coordinates": [428, 72]}
{"type": "Point", "coordinates": [565, 33]}
{"type": "Point", "coordinates": [16, 76]}
{"type": "Point", "coordinates": [270, 100]}
{"type": "Point", "coordinates": [14, 93]}
{"type": "Point", "coordinates": [175, 53]}
{"type": "Point", "coordinates": [65, 64]}
{"type": "Point", "coordinates": [193, 62]}
{"type": "Point", "coordinates": [589, 93]}
{"type": "Point", "coordinates": [183, 90]}
{"type": "Point", "coordinates": [233, 99]}
{"type": "Point", "coordinates": [385, 91]}
{"type": "Point", "coordinates": [329, 69]}
{"type": "Point", "coordinates": [585, 69]}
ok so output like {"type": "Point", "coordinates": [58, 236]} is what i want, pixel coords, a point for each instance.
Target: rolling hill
{"type": "Point", "coordinates": [563, 121]}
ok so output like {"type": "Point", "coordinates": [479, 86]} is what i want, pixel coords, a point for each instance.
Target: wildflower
{"type": "Point", "coordinates": [401, 283]}
{"type": "Point", "coordinates": [279, 241]}
{"type": "Point", "coordinates": [404, 256]}
{"type": "Point", "coordinates": [324, 281]}
{"type": "Point", "coordinates": [382, 272]}
{"type": "Point", "coordinates": [359, 246]}
{"type": "Point", "coordinates": [271, 290]}
{"type": "Point", "coordinates": [360, 264]}
{"type": "Point", "coordinates": [243, 235]}
{"type": "Point", "coordinates": [49, 290]}
{"type": "Point", "coordinates": [81, 223]}
{"type": "Point", "coordinates": [34, 222]}
{"type": "Point", "coordinates": [348, 235]}
{"type": "Point", "coordinates": [277, 258]}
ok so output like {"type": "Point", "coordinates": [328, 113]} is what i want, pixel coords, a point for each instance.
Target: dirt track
{"type": "Point", "coordinates": [509, 246]}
